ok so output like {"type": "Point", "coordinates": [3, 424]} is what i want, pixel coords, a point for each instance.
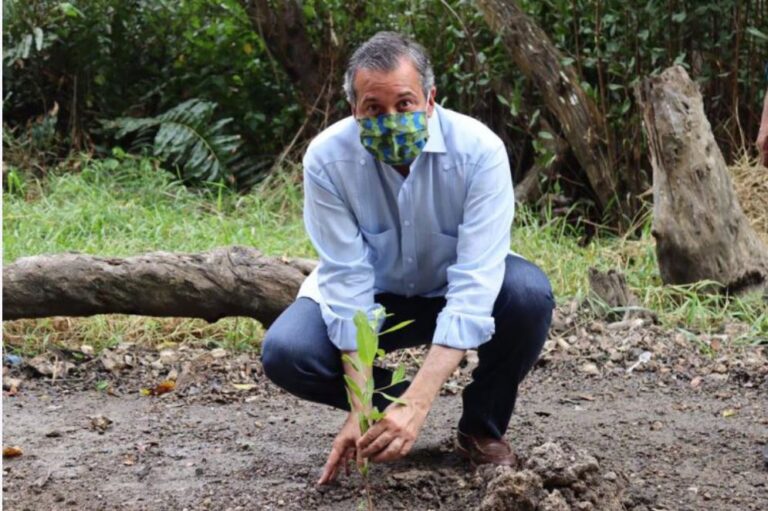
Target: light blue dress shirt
{"type": "Point", "coordinates": [443, 230]}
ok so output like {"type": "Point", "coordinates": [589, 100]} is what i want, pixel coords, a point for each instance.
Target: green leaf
{"type": "Point", "coordinates": [397, 327]}
{"type": "Point", "coordinates": [38, 38]}
{"type": "Point", "coordinates": [376, 415]}
{"type": "Point", "coordinates": [362, 420]}
{"type": "Point", "coordinates": [351, 385]}
{"type": "Point", "coordinates": [70, 10]}
{"type": "Point", "coordinates": [756, 33]}
{"type": "Point", "coordinates": [393, 399]}
{"type": "Point", "coordinates": [398, 375]}
{"type": "Point", "coordinates": [381, 353]}
{"type": "Point", "coordinates": [353, 362]}
{"type": "Point", "coordinates": [368, 396]}
{"type": "Point", "coordinates": [102, 385]}
{"type": "Point", "coordinates": [367, 342]}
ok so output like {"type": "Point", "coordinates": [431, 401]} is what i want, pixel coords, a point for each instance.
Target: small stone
{"type": "Point", "coordinates": [610, 476]}
{"type": "Point", "coordinates": [100, 423]}
{"type": "Point", "coordinates": [656, 425]}
{"type": "Point", "coordinates": [218, 353]}
{"type": "Point", "coordinates": [168, 356]}
{"type": "Point", "coordinates": [590, 368]}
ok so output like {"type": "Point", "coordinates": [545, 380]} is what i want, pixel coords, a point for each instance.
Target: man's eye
{"type": "Point", "coordinates": [406, 103]}
{"type": "Point", "coordinates": [372, 110]}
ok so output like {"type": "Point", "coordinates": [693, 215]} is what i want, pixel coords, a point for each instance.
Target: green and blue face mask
{"type": "Point", "coordinates": [395, 139]}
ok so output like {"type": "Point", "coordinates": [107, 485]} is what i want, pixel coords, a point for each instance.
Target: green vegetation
{"type": "Point", "coordinates": [367, 352]}
{"type": "Point", "coordinates": [69, 65]}
{"type": "Point", "coordinates": [122, 206]}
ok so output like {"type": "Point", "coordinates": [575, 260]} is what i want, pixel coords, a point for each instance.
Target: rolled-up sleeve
{"type": "Point", "coordinates": [475, 279]}
{"type": "Point", "coordinates": [345, 276]}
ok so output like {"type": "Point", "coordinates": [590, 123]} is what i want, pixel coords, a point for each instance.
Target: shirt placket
{"type": "Point", "coordinates": [408, 233]}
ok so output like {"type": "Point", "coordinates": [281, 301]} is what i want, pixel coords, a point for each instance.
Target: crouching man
{"type": "Point", "coordinates": [410, 206]}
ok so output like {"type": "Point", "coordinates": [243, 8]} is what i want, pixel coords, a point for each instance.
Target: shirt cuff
{"type": "Point", "coordinates": [342, 331]}
{"type": "Point", "coordinates": [463, 331]}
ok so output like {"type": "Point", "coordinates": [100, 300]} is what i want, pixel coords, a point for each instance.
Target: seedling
{"type": "Point", "coordinates": [368, 351]}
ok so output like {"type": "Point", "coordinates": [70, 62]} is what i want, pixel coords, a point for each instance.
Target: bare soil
{"type": "Point", "coordinates": [623, 415]}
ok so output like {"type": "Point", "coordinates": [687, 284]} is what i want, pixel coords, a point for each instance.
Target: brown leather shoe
{"type": "Point", "coordinates": [482, 450]}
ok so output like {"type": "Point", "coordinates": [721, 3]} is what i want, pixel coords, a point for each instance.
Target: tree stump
{"type": "Point", "coordinates": [229, 281]}
{"type": "Point", "coordinates": [700, 229]}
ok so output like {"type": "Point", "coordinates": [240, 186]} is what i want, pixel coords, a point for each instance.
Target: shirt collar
{"type": "Point", "coordinates": [435, 142]}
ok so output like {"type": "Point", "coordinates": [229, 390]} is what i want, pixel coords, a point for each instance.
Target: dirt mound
{"type": "Point", "coordinates": [554, 478]}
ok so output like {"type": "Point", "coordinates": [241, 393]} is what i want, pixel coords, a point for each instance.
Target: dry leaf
{"type": "Point", "coordinates": [12, 452]}
{"type": "Point", "coordinates": [730, 412]}
{"type": "Point", "coordinates": [163, 388]}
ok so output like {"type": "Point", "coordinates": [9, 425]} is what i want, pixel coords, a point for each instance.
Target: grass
{"type": "Point", "coordinates": [121, 207]}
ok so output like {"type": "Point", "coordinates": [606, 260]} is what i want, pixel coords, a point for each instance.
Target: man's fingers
{"type": "Point", "coordinates": [392, 452]}
{"type": "Point", "coordinates": [378, 444]}
{"type": "Point", "coordinates": [406, 448]}
{"type": "Point", "coordinates": [329, 470]}
{"type": "Point", "coordinates": [372, 434]}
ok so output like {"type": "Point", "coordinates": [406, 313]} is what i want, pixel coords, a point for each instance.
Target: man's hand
{"type": "Point", "coordinates": [394, 435]}
{"type": "Point", "coordinates": [342, 451]}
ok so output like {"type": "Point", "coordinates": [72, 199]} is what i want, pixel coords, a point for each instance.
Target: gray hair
{"type": "Point", "coordinates": [383, 52]}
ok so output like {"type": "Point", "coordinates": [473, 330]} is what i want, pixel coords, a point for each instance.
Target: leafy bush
{"type": "Point", "coordinates": [105, 59]}
{"type": "Point", "coordinates": [187, 138]}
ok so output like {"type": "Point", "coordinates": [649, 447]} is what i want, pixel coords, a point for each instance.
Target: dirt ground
{"type": "Point", "coordinates": [666, 421]}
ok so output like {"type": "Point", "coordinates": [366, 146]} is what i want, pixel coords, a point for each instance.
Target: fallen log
{"type": "Point", "coordinates": [227, 281]}
{"type": "Point", "coordinates": [700, 229]}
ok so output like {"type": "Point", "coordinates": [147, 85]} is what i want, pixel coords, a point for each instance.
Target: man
{"type": "Point", "coordinates": [409, 206]}
{"type": "Point", "coordinates": [762, 135]}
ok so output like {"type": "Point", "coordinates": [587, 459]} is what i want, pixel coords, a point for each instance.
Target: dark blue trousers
{"type": "Point", "coordinates": [298, 356]}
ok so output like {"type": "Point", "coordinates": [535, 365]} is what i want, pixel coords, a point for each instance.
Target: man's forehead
{"type": "Point", "coordinates": [402, 94]}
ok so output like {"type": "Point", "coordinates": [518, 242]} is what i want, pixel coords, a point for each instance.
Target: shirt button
{"type": "Point", "coordinates": [445, 166]}
{"type": "Point", "coordinates": [407, 223]}
{"type": "Point", "coordinates": [410, 259]}
{"type": "Point", "coordinates": [362, 162]}
{"type": "Point", "coordinates": [411, 285]}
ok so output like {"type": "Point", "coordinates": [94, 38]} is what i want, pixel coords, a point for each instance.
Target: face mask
{"type": "Point", "coordinates": [395, 139]}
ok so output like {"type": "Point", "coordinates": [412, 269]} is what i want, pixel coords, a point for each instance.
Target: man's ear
{"type": "Point", "coordinates": [431, 101]}
{"type": "Point", "coordinates": [352, 109]}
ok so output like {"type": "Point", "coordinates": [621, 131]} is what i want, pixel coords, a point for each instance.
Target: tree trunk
{"type": "Point", "coordinates": [284, 32]}
{"type": "Point", "coordinates": [540, 61]}
{"type": "Point", "coordinates": [232, 281]}
{"type": "Point", "coordinates": [701, 232]}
